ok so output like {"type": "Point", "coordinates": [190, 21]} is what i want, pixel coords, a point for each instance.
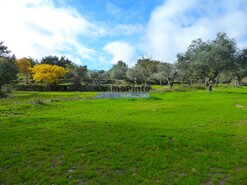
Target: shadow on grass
{"type": "Point", "coordinates": [232, 92]}
{"type": "Point", "coordinates": [154, 98]}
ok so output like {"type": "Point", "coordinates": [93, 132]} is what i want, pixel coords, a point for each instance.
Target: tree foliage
{"type": "Point", "coordinates": [4, 52]}
{"type": "Point", "coordinates": [118, 71]}
{"type": "Point", "coordinates": [78, 74]}
{"type": "Point", "coordinates": [210, 58]}
{"type": "Point", "coordinates": [98, 76]}
{"type": "Point", "coordinates": [54, 60]}
{"type": "Point", "coordinates": [166, 71]}
{"type": "Point", "coordinates": [184, 69]}
{"type": "Point", "coordinates": [24, 65]}
{"type": "Point", "coordinates": [239, 69]}
{"type": "Point", "coordinates": [8, 67]}
{"type": "Point", "coordinates": [131, 74]}
{"type": "Point", "coordinates": [145, 67]}
{"type": "Point", "coordinates": [8, 70]}
{"type": "Point", "coordinates": [48, 74]}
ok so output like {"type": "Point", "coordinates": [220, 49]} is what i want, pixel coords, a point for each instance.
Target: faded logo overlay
{"type": "Point", "coordinates": [126, 92]}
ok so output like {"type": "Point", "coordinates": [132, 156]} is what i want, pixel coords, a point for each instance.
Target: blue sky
{"type": "Point", "coordinates": [98, 33]}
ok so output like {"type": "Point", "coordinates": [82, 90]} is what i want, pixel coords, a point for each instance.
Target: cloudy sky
{"type": "Point", "coordinates": [98, 33]}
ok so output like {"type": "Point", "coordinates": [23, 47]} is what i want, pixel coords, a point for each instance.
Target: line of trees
{"type": "Point", "coordinates": [207, 62]}
{"type": "Point", "coordinates": [203, 62]}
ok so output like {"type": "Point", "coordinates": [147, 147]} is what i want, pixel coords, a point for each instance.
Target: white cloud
{"type": "Point", "coordinates": [128, 29]}
{"type": "Point", "coordinates": [37, 28]}
{"type": "Point", "coordinates": [121, 51]}
{"type": "Point", "coordinates": [173, 25]}
{"type": "Point", "coordinates": [113, 9]}
{"type": "Point", "coordinates": [86, 53]}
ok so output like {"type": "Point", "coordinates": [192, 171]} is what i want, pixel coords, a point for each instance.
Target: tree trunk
{"type": "Point", "coordinates": [238, 81]}
{"type": "Point", "coordinates": [161, 83]}
{"type": "Point", "coordinates": [191, 82]}
{"type": "Point", "coordinates": [209, 84]}
{"type": "Point", "coordinates": [209, 87]}
{"type": "Point", "coordinates": [169, 82]}
{"type": "Point", "coordinates": [182, 81]}
{"type": "Point", "coordinates": [217, 81]}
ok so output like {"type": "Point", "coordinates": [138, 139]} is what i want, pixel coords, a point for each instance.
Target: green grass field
{"type": "Point", "coordinates": [193, 137]}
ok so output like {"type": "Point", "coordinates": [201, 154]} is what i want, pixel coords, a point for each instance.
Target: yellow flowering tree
{"type": "Point", "coordinates": [48, 74]}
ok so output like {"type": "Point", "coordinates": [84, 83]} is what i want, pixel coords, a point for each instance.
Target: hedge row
{"type": "Point", "coordinates": [71, 87]}
{"type": "Point", "coordinates": [40, 87]}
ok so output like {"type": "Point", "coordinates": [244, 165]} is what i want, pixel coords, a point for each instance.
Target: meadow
{"type": "Point", "coordinates": [185, 137]}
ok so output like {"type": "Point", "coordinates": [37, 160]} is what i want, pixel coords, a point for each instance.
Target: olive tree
{"type": "Point", "coordinates": [239, 69]}
{"type": "Point", "coordinates": [211, 58]}
{"type": "Point", "coordinates": [118, 71]}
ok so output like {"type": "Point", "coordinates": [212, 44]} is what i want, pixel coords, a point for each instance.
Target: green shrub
{"type": "Point", "coordinates": [29, 87]}
{"type": "Point", "coordinates": [7, 88]}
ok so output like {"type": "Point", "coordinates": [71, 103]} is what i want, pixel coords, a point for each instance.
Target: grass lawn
{"type": "Point", "coordinates": [194, 137]}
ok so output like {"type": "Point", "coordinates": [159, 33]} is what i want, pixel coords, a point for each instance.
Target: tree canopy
{"type": "Point", "coordinates": [54, 60]}
{"type": "Point", "coordinates": [145, 67]}
{"type": "Point", "coordinates": [4, 52]}
{"type": "Point", "coordinates": [8, 67]}
{"type": "Point", "coordinates": [24, 65]}
{"type": "Point", "coordinates": [118, 71]}
{"type": "Point", "coordinates": [203, 62]}
{"type": "Point", "coordinates": [8, 70]}
{"type": "Point", "coordinates": [48, 74]}
{"type": "Point", "coordinates": [239, 69]}
{"type": "Point", "coordinates": [209, 59]}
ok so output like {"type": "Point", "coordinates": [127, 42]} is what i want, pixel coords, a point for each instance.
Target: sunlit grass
{"type": "Point", "coordinates": [192, 137]}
